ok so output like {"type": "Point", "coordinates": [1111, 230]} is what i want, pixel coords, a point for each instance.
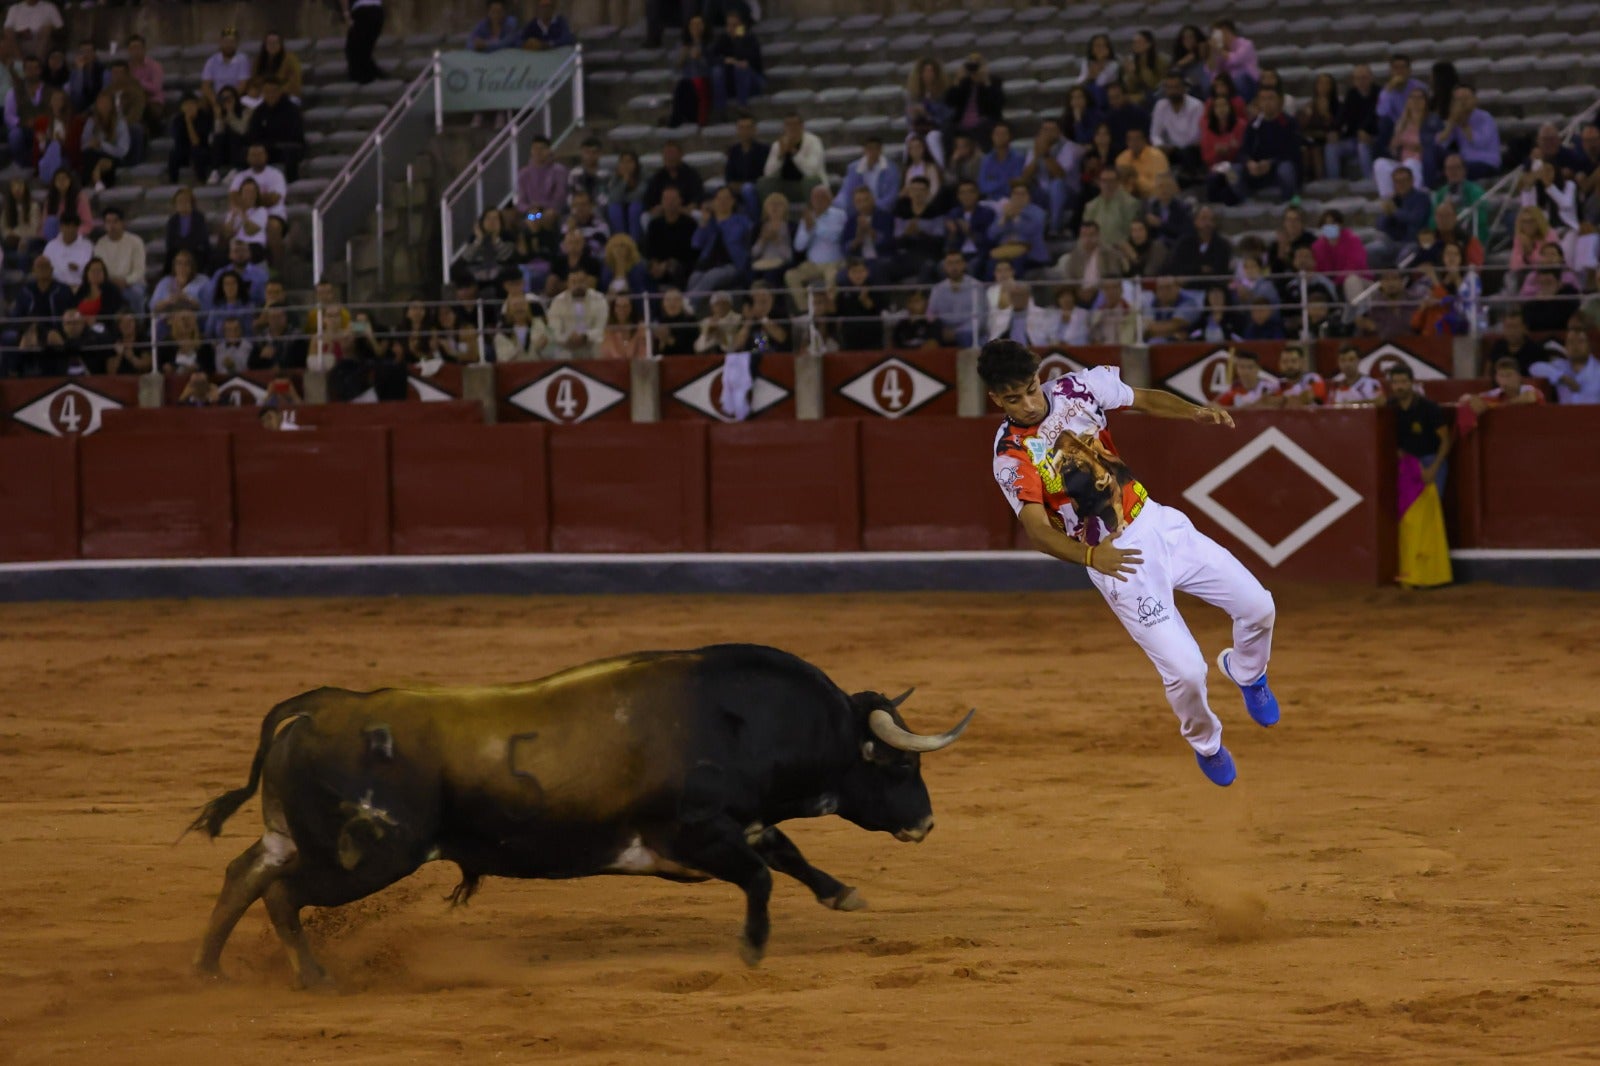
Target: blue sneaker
{"type": "Point", "coordinates": [1258, 697]}
{"type": "Point", "coordinates": [1218, 768]}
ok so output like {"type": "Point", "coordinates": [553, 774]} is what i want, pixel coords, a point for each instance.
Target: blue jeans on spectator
{"type": "Point", "coordinates": [627, 218]}
{"type": "Point", "coordinates": [21, 142]}
{"type": "Point", "coordinates": [135, 296]}
{"type": "Point", "coordinates": [740, 82]}
{"type": "Point", "coordinates": [50, 161]}
{"type": "Point", "coordinates": [707, 281]}
{"type": "Point", "coordinates": [1057, 197]}
{"type": "Point", "coordinates": [1282, 175]}
{"type": "Point", "coordinates": [1334, 153]}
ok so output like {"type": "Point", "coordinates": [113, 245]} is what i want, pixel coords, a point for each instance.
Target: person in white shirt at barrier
{"type": "Point", "coordinates": [1250, 388]}
{"type": "Point", "coordinates": [577, 319]}
{"type": "Point", "coordinates": [1018, 318]}
{"type": "Point", "coordinates": [1350, 385]}
{"type": "Point", "coordinates": [1576, 374]}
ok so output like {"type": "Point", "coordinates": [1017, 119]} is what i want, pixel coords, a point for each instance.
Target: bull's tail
{"type": "Point", "coordinates": [219, 810]}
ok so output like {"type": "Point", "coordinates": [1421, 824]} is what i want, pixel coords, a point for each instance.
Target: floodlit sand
{"type": "Point", "coordinates": [1404, 872]}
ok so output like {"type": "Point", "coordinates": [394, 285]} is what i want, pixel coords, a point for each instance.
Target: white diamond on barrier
{"type": "Point", "coordinates": [892, 388]}
{"type": "Point", "coordinates": [1057, 365]}
{"type": "Point", "coordinates": [1206, 378]}
{"type": "Point", "coordinates": [68, 408]}
{"type": "Point", "coordinates": [1344, 499]}
{"type": "Point", "coordinates": [1387, 355]}
{"type": "Point", "coordinates": [567, 396]}
{"type": "Point", "coordinates": [427, 391]}
{"type": "Point", "coordinates": [240, 392]}
{"type": "Point", "coordinates": [704, 394]}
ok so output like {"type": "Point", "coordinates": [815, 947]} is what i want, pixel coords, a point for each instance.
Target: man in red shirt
{"type": "Point", "coordinates": [1299, 385]}
{"type": "Point", "coordinates": [1056, 464]}
{"type": "Point", "coordinates": [1250, 387]}
{"type": "Point", "coordinates": [1509, 389]}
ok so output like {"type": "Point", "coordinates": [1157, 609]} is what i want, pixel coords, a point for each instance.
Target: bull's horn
{"type": "Point", "coordinates": [884, 727]}
{"type": "Point", "coordinates": [906, 695]}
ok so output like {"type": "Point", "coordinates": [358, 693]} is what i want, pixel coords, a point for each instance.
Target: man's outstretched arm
{"type": "Point", "coordinates": [1105, 557]}
{"type": "Point", "coordinates": [1165, 404]}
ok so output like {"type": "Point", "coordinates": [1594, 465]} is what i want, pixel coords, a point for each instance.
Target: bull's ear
{"type": "Point", "coordinates": [868, 750]}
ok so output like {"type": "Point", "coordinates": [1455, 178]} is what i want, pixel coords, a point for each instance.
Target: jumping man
{"type": "Point", "coordinates": [1078, 502]}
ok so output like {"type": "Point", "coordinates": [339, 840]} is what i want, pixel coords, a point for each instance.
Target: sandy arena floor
{"type": "Point", "coordinates": [1405, 871]}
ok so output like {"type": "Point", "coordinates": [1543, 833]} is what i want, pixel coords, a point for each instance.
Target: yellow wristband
{"type": "Point", "coordinates": [1088, 558]}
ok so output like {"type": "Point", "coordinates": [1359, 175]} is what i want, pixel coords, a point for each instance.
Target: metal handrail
{"type": "Point", "coordinates": [1502, 187]}
{"type": "Point", "coordinates": [570, 70]}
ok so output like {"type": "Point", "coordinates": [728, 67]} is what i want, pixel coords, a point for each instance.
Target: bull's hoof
{"type": "Point", "coordinates": [209, 972]}
{"type": "Point", "coordinates": [318, 982]}
{"type": "Point", "coordinates": [847, 900]}
{"type": "Point", "coordinates": [750, 953]}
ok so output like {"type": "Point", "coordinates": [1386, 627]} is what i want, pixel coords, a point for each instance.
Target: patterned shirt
{"type": "Point", "coordinates": [1067, 462]}
{"type": "Point", "coordinates": [1365, 389]}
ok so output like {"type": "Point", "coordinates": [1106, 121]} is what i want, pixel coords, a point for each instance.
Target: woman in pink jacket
{"type": "Point", "coordinates": [1340, 254]}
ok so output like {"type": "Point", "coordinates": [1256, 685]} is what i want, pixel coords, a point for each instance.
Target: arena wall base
{"type": "Point", "coordinates": [1572, 569]}
{"type": "Point", "coordinates": [538, 574]}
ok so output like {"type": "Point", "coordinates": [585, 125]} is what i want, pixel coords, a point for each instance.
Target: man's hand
{"type": "Point", "coordinates": [1430, 472]}
{"type": "Point", "coordinates": [1213, 415]}
{"type": "Point", "coordinates": [1113, 561]}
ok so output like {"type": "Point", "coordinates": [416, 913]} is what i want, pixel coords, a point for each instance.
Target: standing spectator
{"type": "Point", "coordinates": [691, 94]}
{"type": "Point", "coordinates": [364, 25]}
{"type": "Point", "coordinates": [106, 143]}
{"type": "Point", "coordinates": [547, 29]}
{"type": "Point", "coordinates": [873, 172]}
{"type": "Point", "coordinates": [278, 125]}
{"type": "Point", "coordinates": [1100, 67]}
{"type": "Point", "coordinates": [1234, 56]}
{"type": "Point", "coordinates": [191, 140]}
{"type": "Point", "coordinates": [976, 102]}
{"type": "Point", "coordinates": [1145, 69]}
{"type": "Point", "coordinates": [625, 337]}
{"type": "Point", "coordinates": [1146, 161]}
{"type": "Point", "coordinates": [123, 254]}
{"type": "Point", "coordinates": [496, 31]}
{"type": "Point", "coordinates": [227, 68]}
{"type": "Point", "coordinates": [1340, 254]}
{"type": "Point", "coordinates": [1203, 254]}
{"type": "Point", "coordinates": [1397, 90]}
{"type": "Point", "coordinates": [34, 25]}
{"type": "Point", "coordinates": [1358, 126]}
{"type": "Point", "coordinates": [151, 78]}
{"type": "Point", "coordinates": [1402, 216]}
{"type": "Point", "coordinates": [577, 319]}
{"type": "Point", "coordinates": [967, 229]}
{"type": "Point", "coordinates": [1319, 126]}
{"type": "Point", "coordinates": [795, 163]}
{"type": "Point", "coordinates": [1190, 53]}
{"type": "Point", "coordinates": [957, 304]}
{"type": "Point", "coordinates": [669, 241]}
{"type": "Point", "coordinates": [722, 246]}
{"type": "Point", "coordinates": [1113, 210]}
{"type": "Point", "coordinates": [625, 193]}
{"type": "Point", "coordinates": [24, 101]}
{"type": "Point", "coordinates": [1221, 142]}
{"type": "Point", "coordinates": [69, 253]}
{"type": "Point", "coordinates": [1421, 428]}
{"type": "Point", "coordinates": [1175, 125]}
{"type": "Point", "coordinates": [542, 183]}
{"type": "Point", "coordinates": [1510, 390]}
{"type": "Point", "coordinates": [1575, 373]}
{"type": "Point", "coordinates": [925, 93]}
{"type": "Point", "coordinates": [1271, 152]}
{"type": "Point", "coordinates": [737, 70]}
{"type": "Point", "coordinates": [1470, 131]}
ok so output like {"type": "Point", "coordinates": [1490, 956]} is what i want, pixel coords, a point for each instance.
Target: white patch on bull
{"type": "Point", "coordinates": [752, 833]}
{"type": "Point", "coordinates": [433, 854]}
{"type": "Point", "coordinates": [621, 713]}
{"type": "Point", "coordinates": [494, 749]}
{"type": "Point", "coordinates": [277, 848]}
{"type": "Point", "coordinates": [827, 803]}
{"type": "Point", "coordinates": [635, 859]}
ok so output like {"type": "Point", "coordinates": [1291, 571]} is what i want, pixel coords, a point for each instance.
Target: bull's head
{"type": "Point", "coordinates": [884, 790]}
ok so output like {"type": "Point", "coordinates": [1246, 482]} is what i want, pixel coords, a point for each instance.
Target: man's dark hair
{"type": "Point", "coordinates": [1225, 24]}
{"type": "Point", "coordinates": [743, 116]}
{"type": "Point", "coordinates": [69, 218]}
{"type": "Point", "coordinates": [1017, 184]}
{"type": "Point", "coordinates": [590, 142]}
{"type": "Point", "coordinates": [539, 138]}
{"type": "Point", "coordinates": [965, 182]}
{"type": "Point", "coordinates": [1005, 362]}
{"type": "Point", "coordinates": [920, 180]}
{"type": "Point", "coordinates": [1245, 354]}
{"type": "Point", "coordinates": [136, 37]}
{"type": "Point", "coordinates": [1400, 57]}
{"type": "Point", "coordinates": [1400, 370]}
{"type": "Point", "coordinates": [1333, 214]}
{"type": "Point", "coordinates": [1505, 362]}
{"type": "Point", "coordinates": [110, 211]}
{"type": "Point", "coordinates": [120, 64]}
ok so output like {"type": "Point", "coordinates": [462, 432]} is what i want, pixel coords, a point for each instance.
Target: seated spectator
{"type": "Point", "coordinates": [1543, 185]}
{"type": "Point", "coordinates": [1574, 373]}
{"type": "Point", "coordinates": [1464, 195]}
{"type": "Point", "coordinates": [1390, 310]}
{"type": "Point", "coordinates": [27, 96]}
{"type": "Point", "coordinates": [919, 236]}
{"type": "Point", "coordinates": [21, 221]}
{"type": "Point", "coordinates": [1270, 156]}
{"type": "Point", "coordinates": [1018, 318]}
{"type": "Point", "coordinates": [1234, 56]}
{"type": "Point", "coordinates": [1339, 253]}
{"type": "Point", "coordinates": [967, 229]}
{"type": "Point", "coordinates": [1205, 253]}
{"type": "Point", "coordinates": [691, 94]}
{"type": "Point", "coordinates": [227, 68]}
{"type": "Point", "coordinates": [669, 241]}
{"type": "Point", "coordinates": [1123, 116]}
{"type": "Point", "coordinates": [253, 274]}
{"type": "Point", "coordinates": [230, 128]}
{"type": "Point", "coordinates": [1175, 125]}
{"type": "Point", "coordinates": [1017, 233]}
{"type": "Point", "coordinates": [623, 268]}
{"type": "Point", "coordinates": [1248, 386]}
{"type": "Point", "coordinates": [151, 78]}
{"type": "Point", "coordinates": [747, 161]}
{"type": "Point", "coordinates": [199, 390]}
{"type": "Point", "coordinates": [129, 99]}
{"type": "Point", "coordinates": [1552, 304]}
{"type": "Point", "coordinates": [1190, 54]}
{"type": "Point", "coordinates": [1004, 275]}
{"type": "Point", "coordinates": [1356, 133]}
{"type": "Point", "coordinates": [34, 25]}
{"type": "Point", "coordinates": [577, 319]}
{"type": "Point", "coordinates": [1583, 161]}
{"type": "Point", "coordinates": [185, 350]}
{"type": "Point", "coordinates": [915, 330]}
{"type": "Point", "coordinates": [858, 309]}
{"type": "Point", "coordinates": [57, 135]}
{"type": "Point", "coordinates": [547, 29]}
{"type": "Point", "coordinates": [276, 63]}
{"type": "Point", "coordinates": [1081, 116]}
{"type": "Point", "coordinates": [1100, 67]}
{"type": "Point", "coordinates": [99, 300]}
{"type": "Point", "coordinates": [1001, 165]}
{"type": "Point", "coordinates": [182, 290]}
{"type": "Point", "coordinates": [128, 352]}
{"type": "Point", "coordinates": [1262, 321]}
{"type": "Point", "coordinates": [1143, 255]}
{"type": "Point", "coordinates": [581, 216]}
{"type": "Point", "coordinates": [795, 164]}
{"type": "Point", "coordinates": [246, 219]}
{"type": "Point", "coordinates": [1170, 313]}
{"type": "Point", "coordinates": [1166, 214]}
{"type": "Point", "coordinates": [1403, 215]}
{"type": "Point", "coordinates": [976, 102]}
{"type": "Point", "coordinates": [1221, 147]}
{"type": "Point", "coordinates": [1398, 90]}
{"type": "Point", "coordinates": [329, 321]}
{"type": "Point", "coordinates": [69, 252]}
{"type": "Point", "coordinates": [1454, 302]}
{"type": "Point", "coordinates": [230, 300]}
{"type": "Point", "coordinates": [925, 91]}
{"type": "Point", "coordinates": [1098, 156]}
{"type": "Point", "coordinates": [57, 75]}
{"type": "Point", "coordinates": [588, 176]}
{"type": "Point", "coordinates": [278, 125]}
{"type": "Point", "coordinates": [773, 247]}
{"type": "Point", "coordinates": [1147, 162]}
{"type": "Point", "coordinates": [1405, 146]}
{"type": "Point", "coordinates": [542, 183]}
{"type": "Point", "coordinates": [1298, 384]}
{"type": "Point", "coordinates": [874, 172]}
{"type": "Point", "coordinates": [44, 300]}
{"type": "Point", "coordinates": [1113, 210]}
{"type": "Point", "coordinates": [1470, 132]}
{"type": "Point", "coordinates": [489, 258]}
{"type": "Point", "coordinates": [105, 144]}
{"type": "Point", "coordinates": [191, 140]}
{"type": "Point", "coordinates": [1514, 343]}
{"type": "Point", "coordinates": [1532, 235]}
{"type": "Point", "coordinates": [523, 335]}
{"type": "Point", "coordinates": [625, 193]}
{"type": "Point", "coordinates": [1090, 261]}
{"type": "Point", "coordinates": [279, 348]}
{"type": "Point", "coordinates": [1112, 319]}
{"type": "Point", "coordinates": [820, 240]}
{"type": "Point", "coordinates": [626, 337]}
{"type": "Point", "coordinates": [1324, 318]}
{"type": "Point", "coordinates": [957, 304]}
{"type": "Point", "coordinates": [921, 164]}
{"type": "Point", "coordinates": [1145, 68]}
{"type": "Point", "coordinates": [723, 330]}
{"type": "Point", "coordinates": [1301, 279]}
{"type": "Point", "coordinates": [737, 70]}
{"type": "Point", "coordinates": [86, 78]}
{"type": "Point", "coordinates": [1290, 237]}
{"type": "Point", "coordinates": [766, 329]}
{"type": "Point", "coordinates": [722, 247]}
{"type": "Point", "coordinates": [231, 349]}
{"type": "Point", "coordinates": [575, 257]}
{"type": "Point", "coordinates": [455, 338]}
{"type": "Point", "coordinates": [1510, 390]}
{"type": "Point", "coordinates": [1217, 320]}
{"type": "Point", "coordinates": [961, 164]}
{"type": "Point", "coordinates": [675, 327]}
{"type": "Point", "coordinates": [869, 234]}
{"type": "Point", "coordinates": [1319, 120]}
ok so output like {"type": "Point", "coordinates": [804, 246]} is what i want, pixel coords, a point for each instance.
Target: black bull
{"type": "Point", "coordinates": [676, 764]}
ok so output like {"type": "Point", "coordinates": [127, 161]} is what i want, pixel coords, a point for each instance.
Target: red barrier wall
{"type": "Point", "coordinates": [785, 487]}
{"type": "Point", "coordinates": [890, 385]}
{"type": "Point", "coordinates": [322, 493]}
{"type": "Point", "coordinates": [155, 495]}
{"type": "Point", "coordinates": [928, 484]}
{"type": "Point", "coordinates": [565, 393]}
{"type": "Point", "coordinates": [60, 406]}
{"type": "Point", "coordinates": [469, 489]}
{"type": "Point", "coordinates": [691, 387]}
{"type": "Point", "coordinates": [38, 498]}
{"type": "Point", "coordinates": [1199, 371]}
{"type": "Point", "coordinates": [1526, 479]}
{"type": "Point", "coordinates": [628, 488]}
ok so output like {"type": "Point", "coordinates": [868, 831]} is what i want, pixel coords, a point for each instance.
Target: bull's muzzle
{"type": "Point", "coordinates": [917, 833]}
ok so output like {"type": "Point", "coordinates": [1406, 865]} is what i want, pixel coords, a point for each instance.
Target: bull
{"type": "Point", "coordinates": [674, 764]}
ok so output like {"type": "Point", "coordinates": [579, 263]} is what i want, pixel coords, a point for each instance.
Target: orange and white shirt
{"type": "Point", "coordinates": [1307, 383]}
{"type": "Point", "coordinates": [1366, 389]}
{"type": "Point", "coordinates": [1242, 397]}
{"type": "Point", "coordinates": [1068, 463]}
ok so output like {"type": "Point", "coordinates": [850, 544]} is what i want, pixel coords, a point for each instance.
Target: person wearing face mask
{"type": "Point", "coordinates": [1340, 254]}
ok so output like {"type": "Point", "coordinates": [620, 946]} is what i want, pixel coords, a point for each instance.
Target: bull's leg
{"type": "Point", "coordinates": [284, 910]}
{"type": "Point", "coordinates": [248, 876]}
{"type": "Point", "coordinates": [780, 853]}
{"type": "Point", "coordinates": [717, 846]}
